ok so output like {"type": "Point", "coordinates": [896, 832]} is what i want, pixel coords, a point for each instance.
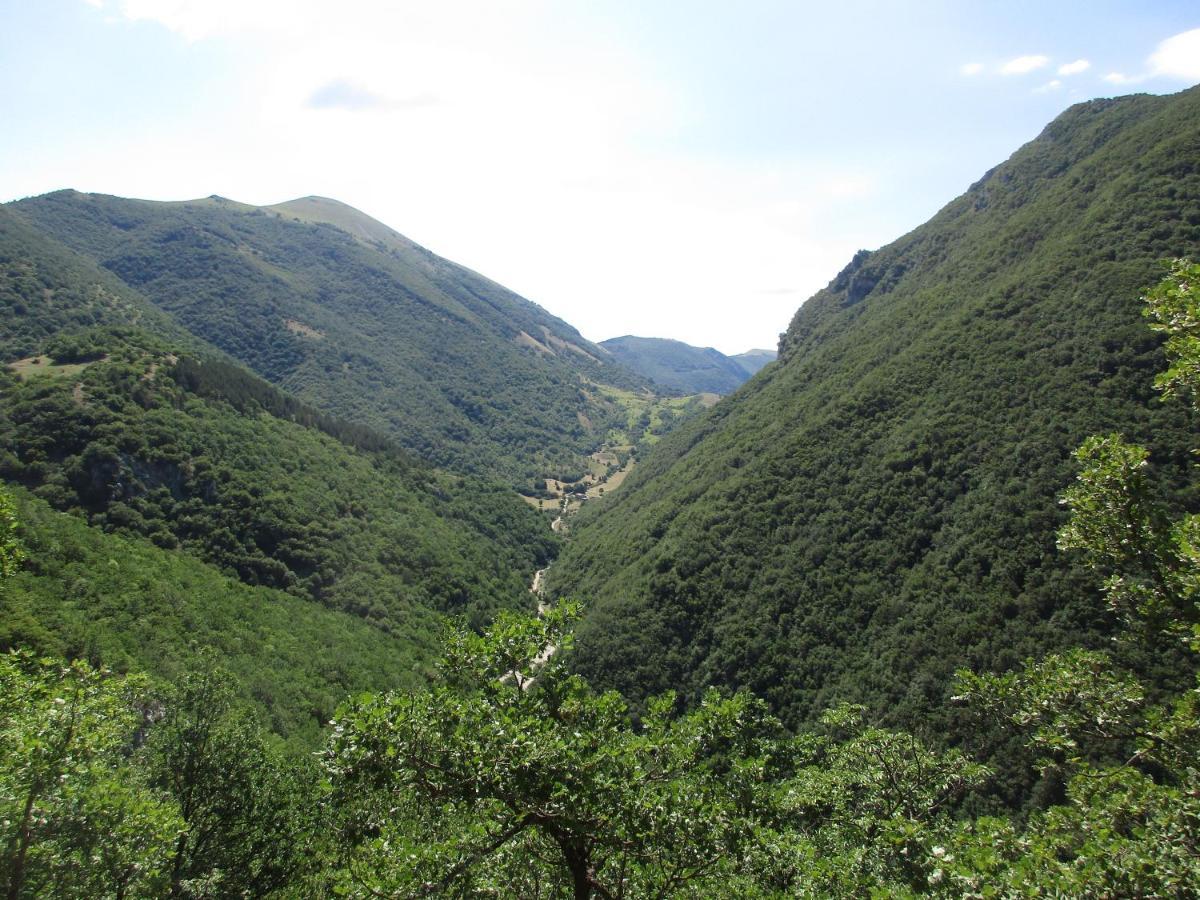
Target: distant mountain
{"type": "Point", "coordinates": [753, 360]}
{"type": "Point", "coordinates": [359, 321]}
{"type": "Point", "coordinates": [879, 507]}
{"type": "Point", "coordinates": [678, 366]}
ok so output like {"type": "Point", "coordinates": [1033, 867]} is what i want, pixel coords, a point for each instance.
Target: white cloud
{"type": "Point", "coordinates": [1023, 65]}
{"type": "Point", "coordinates": [1049, 86]}
{"type": "Point", "coordinates": [1178, 57]}
{"type": "Point", "coordinates": [969, 69]}
{"type": "Point", "coordinates": [1074, 68]}
{"type": "Point", "coordinates": [528, 155]}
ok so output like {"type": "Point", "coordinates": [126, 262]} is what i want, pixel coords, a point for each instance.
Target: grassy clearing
{"type": "Point", "coordinates": [647, 419]}
{"type": "Point", "coordinates": [32, 366]}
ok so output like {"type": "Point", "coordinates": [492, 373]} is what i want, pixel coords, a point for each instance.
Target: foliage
{"type": "Point", "coordinates": [878, 508]}
{"type": "Point", "coordinates": [361, 324]}
{"type": "Point", "coordinates": [1131, 824]}
{"type": "Point", "coordinates": [126, 604]}
{"type": "Point", "coordinates": [78, 819]}
{"type": "Point", "coordinates": [1116, 522]}
{"type": "Point", "coordinates": [511, 777]}
{"type": "Point", "coordinates": [250, 814]}
{"type": "Point", "coordinates": [47, 290]}
{"type": "Point", "coordinates": [11, 553]}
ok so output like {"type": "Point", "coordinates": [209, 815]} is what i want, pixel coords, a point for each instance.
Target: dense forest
{"type": "Point", "coordinates": [360, 322]}
{"type": "Point", "coordinates": [880, 507]}
{"type": "Point", "coordinates": [912, 612]}
{"type": "Point", "coordinates": [262, 496]}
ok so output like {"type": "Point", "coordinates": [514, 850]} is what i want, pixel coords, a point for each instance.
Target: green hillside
{"type": "Point", "coordinates": [122, 602]}
{"type": "Point", "coordinates": [46, 289]}
{"type": "Point", "coordinates": [212, 510]}
{"type": "Point", "coordinates": [355, 319]}
{"type": "Point", "coordinates": [754, 360]}
{"type": "Point", "coordinates": [879, 507]}
{"type": "Point", "coordinates": [678, 366]}
{"type": "Point", "coordinates": [204, 457]}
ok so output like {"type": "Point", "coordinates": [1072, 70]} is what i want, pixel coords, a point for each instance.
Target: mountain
{"type": "Point", "coordinates": [351, 317]}
{"type": "Point", "coordinates": [210, 509]}
{"type": "Point", "coordinates": [753, 360]}
{"type": "Point", "coordinates": [47, 289]}
{"type": "Point", "coordinates": [879, 507]}
{"type": "Point", "coordinates": [678, 366]}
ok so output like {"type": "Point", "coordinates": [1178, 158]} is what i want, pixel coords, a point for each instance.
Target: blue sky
{"type": "Point", "coordinates": [690, 170]}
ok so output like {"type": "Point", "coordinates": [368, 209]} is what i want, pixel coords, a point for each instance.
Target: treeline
{"type": "Point", "coordinates": [127, 445]}
{"type": "Point", "coordinates": [221, 380]}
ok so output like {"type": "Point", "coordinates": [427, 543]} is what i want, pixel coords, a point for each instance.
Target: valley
{"type": "Point", "coordinates": [330, 567]}
{"type": "Point", "coordinates": [647, 419]}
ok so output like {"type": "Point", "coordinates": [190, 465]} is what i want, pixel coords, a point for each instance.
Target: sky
{"type": "Point", "coordinates": [652, 167]}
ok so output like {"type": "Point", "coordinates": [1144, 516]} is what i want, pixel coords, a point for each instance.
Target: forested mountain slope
{"type": "Point", "coordinates": [200, 455]}
{"type": "Point", "coordinates": [118, 600]}
{"type": "Point", "coordinates": [678, 366]}
{"type": "Point", "coordinates": [47, 289]}
{"type": "Point", "coordinates": [879, 507]}
{"type": "Point", "coordinates": [348, 315]}
{"type": "Point", "coordinates": [343, 542]}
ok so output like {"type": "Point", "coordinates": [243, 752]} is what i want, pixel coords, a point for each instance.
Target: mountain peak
{"type": "Point", "coordinates": [327, 211]}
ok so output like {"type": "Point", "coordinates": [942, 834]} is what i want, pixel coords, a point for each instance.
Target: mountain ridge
{"type": "Point", "coordinates": [681, 367]}
{"type": "Point", "coordinates": [880, 505]}
{"type": "Point", "coordinates": [369, 326]}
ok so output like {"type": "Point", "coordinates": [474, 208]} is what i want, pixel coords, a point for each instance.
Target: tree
{"type": "Point", "coordinates": [78, 819]}
{"type": "Point", "coordinates": [510, 776]}
{"type": "Point", "coordinates": [249, 813]}
{"type": "Point", "coordinates": [11, 554]}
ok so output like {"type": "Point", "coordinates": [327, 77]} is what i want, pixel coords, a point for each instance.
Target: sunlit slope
{"type": "Point", "coordinates": [357, 320]}
{"type": "Point", "coordinates": [879, 507]}
{"type": "Point", "coordinates": [120, 601]}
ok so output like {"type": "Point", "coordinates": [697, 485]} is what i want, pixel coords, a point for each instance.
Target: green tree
{"type": "Point", "coordinates": [78, 819]}
{"type": "Point", "coordinates": [249, 813]}
{"type": "Point", "coordinates": [511, 777]}
{"type": "Point", "coordinates": [11, 553]}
